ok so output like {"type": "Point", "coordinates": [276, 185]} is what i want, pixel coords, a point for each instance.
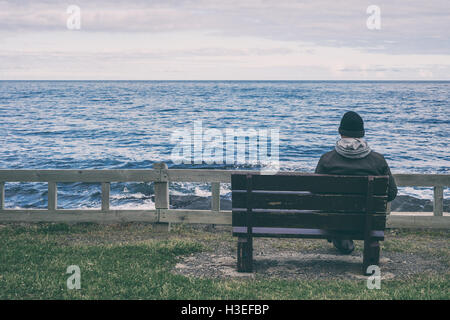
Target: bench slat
{"type": "Point", "coordinates": [328, 221]}
{"type": "Point", "coordinates": [308, 233]}
{"type": "Point", "coordinates": [308, 201]}
{"type": "Point", "coordinates": [313, 183]}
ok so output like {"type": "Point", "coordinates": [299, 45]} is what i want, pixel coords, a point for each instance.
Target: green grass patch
{"type": "Point", "coordinates": [34, 259]}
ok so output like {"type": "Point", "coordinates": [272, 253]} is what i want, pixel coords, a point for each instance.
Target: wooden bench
{"type": "Point", "coordinates": [296, 205]}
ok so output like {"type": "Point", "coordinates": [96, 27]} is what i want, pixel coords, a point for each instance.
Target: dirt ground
{"type": "Point", "coordinates": [403, 254]}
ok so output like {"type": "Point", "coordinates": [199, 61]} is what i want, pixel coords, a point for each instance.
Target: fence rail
{"type": "Point", "coordinates": [162, 215]}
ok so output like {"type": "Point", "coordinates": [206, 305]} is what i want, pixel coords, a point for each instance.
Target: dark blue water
{"type": "Point", "coordinates": [128, 124]}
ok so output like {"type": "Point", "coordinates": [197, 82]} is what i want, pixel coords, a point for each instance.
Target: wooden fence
{"type": "Point", "coordinates": [162, 215]}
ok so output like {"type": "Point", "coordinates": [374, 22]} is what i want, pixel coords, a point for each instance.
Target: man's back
{"type": "Point", "coordinates": [372, 164]}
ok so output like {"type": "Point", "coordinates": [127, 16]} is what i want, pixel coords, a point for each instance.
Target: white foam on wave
{"type": "Point", "coordinates": [148, 204]}
{"type": "Point", "coordinates": [225, 189]}
{"type": "Point", "coordinates": [416, 193]}
{"type": "Point", "coordinates": [121, 196]}
{"type": "Point", "coordinates": [421, 193]}
{"type": "Point", "coordinates": [196, 189]}
{"type": "Point", "coordinates": [201, 192]}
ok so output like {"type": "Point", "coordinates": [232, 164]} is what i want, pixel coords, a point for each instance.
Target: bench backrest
{"type": "Point", "coordinates": [349, 205]}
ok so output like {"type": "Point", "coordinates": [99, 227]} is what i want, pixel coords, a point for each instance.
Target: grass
{"type": "Point", "coordinates": [131, 262]}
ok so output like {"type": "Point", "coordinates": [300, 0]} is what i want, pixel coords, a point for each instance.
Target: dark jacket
{"type": "Point", "coordinates": [373, 164]}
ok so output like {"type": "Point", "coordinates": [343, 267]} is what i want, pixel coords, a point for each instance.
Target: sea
{"type": "Point", "coordinates": [131, 125]}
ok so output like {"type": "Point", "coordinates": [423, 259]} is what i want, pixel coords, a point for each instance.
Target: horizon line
{"type": "Point", "coordinates": [246, 80]}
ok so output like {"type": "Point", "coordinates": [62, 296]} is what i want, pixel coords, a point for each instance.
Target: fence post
{"type": "Point", "coordinates": [161, 196]}
{"type": "Point", "coordinates": [52, 196]}
{"type": "Point", "coordinates": [215, 200]}
{"type": "Point", "coordinates": [215, 196]}
{"type": "Point", "coordinates": [438, 201]}
{"type": "Point", "coordinates": [105, 195]}
{"type": "Point", "coordinates": [2, 195]}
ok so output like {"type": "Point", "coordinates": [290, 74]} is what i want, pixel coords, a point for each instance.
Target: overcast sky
{"type": "Point", "coordinates": [226, 39]}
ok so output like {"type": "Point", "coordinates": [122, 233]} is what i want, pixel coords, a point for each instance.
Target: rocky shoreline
{"type": "Point", "coordinates": [402, 203]}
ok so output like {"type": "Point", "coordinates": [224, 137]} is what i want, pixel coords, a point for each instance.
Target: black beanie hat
{"type": "Point", "coordinates": [352, 125]}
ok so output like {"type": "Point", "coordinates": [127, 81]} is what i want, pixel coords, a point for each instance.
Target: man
{"type": "Point", "coordinates": [353, 156]}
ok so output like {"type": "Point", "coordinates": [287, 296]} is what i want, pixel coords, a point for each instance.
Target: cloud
{"type": "Point", "coordinates": [210, 39]}
{"type": "Point", "coordinates": [406, 27]}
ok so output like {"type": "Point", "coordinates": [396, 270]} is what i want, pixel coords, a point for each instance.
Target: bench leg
{"type": "Point", "coordinates": [371, 254]}
{"type": "Point", "coordinates": [245, 254]}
